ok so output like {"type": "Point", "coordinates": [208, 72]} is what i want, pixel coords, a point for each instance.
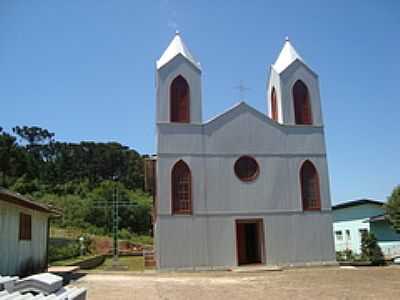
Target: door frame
{"type": "Point", "coordinates": [261, 236]}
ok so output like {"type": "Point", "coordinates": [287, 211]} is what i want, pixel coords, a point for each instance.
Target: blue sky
{"type": "Point", "coordinates": [85, 70]}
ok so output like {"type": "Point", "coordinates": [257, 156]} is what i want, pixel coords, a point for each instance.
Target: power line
{"type": "Point", "coordinates": [115, 212]}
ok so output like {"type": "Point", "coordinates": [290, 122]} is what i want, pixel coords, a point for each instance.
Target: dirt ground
{"type": "Point", "coordinates": [302, 283]}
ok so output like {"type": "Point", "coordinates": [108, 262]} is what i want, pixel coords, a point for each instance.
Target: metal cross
{"type": "Point", "coordinates": [116, 204]}
{"type": "Point", "coordinates": [242, 89]}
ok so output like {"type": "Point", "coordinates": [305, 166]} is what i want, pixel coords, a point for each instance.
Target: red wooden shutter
{"type": "Point", "coordinates": [180, 100]}
{"type": "Point", "coordinates": [310, 191]}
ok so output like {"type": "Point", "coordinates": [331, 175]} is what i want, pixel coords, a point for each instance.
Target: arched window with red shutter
{"type": "Point", "coordinates": [180, 100]}
{"type": "Point", "coordinates": [274, 107]}
{"type": "Point", "coordinates": [310, 192]}
{"type": "Point", "coordinates": [181, 186]}
{"type": "Point", "coordinates": [302, 105]}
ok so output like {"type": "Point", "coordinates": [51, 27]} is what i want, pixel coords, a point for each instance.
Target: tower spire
{"type": "Point", "coordinates": [286, 57]}
{"type": "Point", "coordinates": [177, 46]}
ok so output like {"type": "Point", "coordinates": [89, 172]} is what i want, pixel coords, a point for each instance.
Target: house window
{"type": "Point", "coordinates": [310, 193]}
{"type": "Point", "coordinates": [180, 100]}
{"type": "Point", "coordinates": [274, 107]}
{"type": "Point", "coordinates": [339, 235]}
{"type": "Point", "coordinates": [348, 236]}
{"type": "Point", "coordinates": [246, 168]}
{"type": "Point", "coordinates": [181, 189]}
{"type": "Point", "coordinates": [302, 107]}
{"type": "Point", "coordinates": [25, 227]}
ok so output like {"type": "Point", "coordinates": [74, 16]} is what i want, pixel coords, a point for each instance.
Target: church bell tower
{"type": "Point", "coordinates": [178, 84]}
{"type": "Point", "coordinates": [293, 90]}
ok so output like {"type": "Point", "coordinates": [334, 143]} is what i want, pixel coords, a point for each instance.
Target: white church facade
{"type": "Point", "coordinates": [244, 187]}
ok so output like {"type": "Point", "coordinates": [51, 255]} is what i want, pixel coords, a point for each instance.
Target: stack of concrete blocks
{"type": "Point", "coordinates": [44, 286]}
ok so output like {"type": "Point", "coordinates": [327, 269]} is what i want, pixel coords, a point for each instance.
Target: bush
{"type": "Point", "coordinates": [61, 252]}
{"type": "Point", "coordinates": [345, 255]}
{"type": "Point", "coordinates": [340, 256]}
{"type": "Point", "coordinates": [124, 234]}
{"type": "Point", "coordinates": [370, 249]}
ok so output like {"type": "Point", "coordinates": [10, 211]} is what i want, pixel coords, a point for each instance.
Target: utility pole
{"type": "Point", "coordinates": [115, 227]}
{"type": "Point", "coordinates": [116, 204]}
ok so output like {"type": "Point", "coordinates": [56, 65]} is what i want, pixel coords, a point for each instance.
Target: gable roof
{"type": "Point", "coordinates": [176, 47]}
{"type": "Point", "coordinates": [242, 107]}
{"type": "Point", "coordinates": [357, 203]}
{"type": "Point", "coordinates": [18, 199]}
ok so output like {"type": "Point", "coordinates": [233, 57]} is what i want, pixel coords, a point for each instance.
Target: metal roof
{"type": "Point", "coordinates": [18, 199]}
{"type": "Point", "coordinates": [286, 57]}
{"type": "Point", "coordinates": [176, 47]}
{"type": "Point", "coordinates": [356, 203]}
{"type": "Point", "coordinates": [378, 218]}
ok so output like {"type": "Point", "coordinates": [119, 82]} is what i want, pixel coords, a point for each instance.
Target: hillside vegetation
{"type": "Point", "coordinates": [76, 178]}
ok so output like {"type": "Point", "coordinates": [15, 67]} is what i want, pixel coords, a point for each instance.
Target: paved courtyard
{"type": "Point", "coordinates": [305, 283]}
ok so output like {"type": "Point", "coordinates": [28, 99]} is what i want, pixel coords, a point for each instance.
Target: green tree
{"type": "Point", "coordinates": [370, 249]}
{"type": "Point", "coordinates": [33, 135]}
{"type": "Point", "coordinates": [74, 209]}
{"type": "Point", "coordinates": [12, 159]}
{"type": "Point", "coordinates": [392, 208]}
{"type": "Point", "coordinates": [135, 218]}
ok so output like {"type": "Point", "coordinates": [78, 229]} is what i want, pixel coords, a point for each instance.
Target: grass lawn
{"type": "Point", "coordinates": [75, 233]}
{"type": "Point", "coordinates": [134, 263]}
{"type": "Point", "coordinates": [71, 261]}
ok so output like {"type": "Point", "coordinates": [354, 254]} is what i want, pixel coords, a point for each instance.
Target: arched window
{"type": "Point", "coordinates": [181, 189]}
{"type": "Point", "coordinates": [180, 100]}
{"type": "Point", "coordinates": [274, 107]}
{"type": "Point", "coordinates": [302, 106]}
{"type": "Point", "coordinates": [310, 193]}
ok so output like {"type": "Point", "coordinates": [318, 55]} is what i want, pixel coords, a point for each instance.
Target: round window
{"type": "Point", "coordinates": [246, 168]}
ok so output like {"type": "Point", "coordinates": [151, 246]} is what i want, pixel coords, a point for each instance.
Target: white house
{"type": "Point", "coordinates": [352, 218]}
{"type": "Point", "coordinates": [244, 187]}
{"type": "Point", "coordinates": [23, 234]}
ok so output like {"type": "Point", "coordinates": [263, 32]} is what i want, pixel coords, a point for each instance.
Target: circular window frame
{"type": "Point", "coordinates": [252, 177]}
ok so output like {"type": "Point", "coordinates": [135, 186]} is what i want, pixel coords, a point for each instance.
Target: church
{"type": "Point", "coordinates": [246, 187]}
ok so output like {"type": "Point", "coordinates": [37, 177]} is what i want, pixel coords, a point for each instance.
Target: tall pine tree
{"type": "Point", "coordinates": [393, 208]}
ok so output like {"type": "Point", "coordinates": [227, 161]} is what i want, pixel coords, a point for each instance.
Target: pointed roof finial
{"type": "Point", "coordinates": [286, 57]}
{"type": "Point", "coordinates": [177, 46]}
{"type": "Point", "coordinates": [177, 32]}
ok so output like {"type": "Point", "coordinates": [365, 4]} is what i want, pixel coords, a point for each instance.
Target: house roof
{"type": "Point", "coordinates": [177, 47]}
{"type": "Point", "coordinates": [18, 199]}
{"type": "Point", "coordinates": [356, 203]}
{"type": "Point", "coordinates": [377, 218]}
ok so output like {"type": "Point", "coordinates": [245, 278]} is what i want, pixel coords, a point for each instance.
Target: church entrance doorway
{"type": "Point", "coordinates": [250, 241]}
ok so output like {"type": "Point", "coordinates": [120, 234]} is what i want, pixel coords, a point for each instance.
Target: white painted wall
{"type": "Point", "coordinates": [210, 240]}
{"type": "Point", "coordinates": [354, 242]}
{"type": "Point", "coordinates": [207, 238]}
{"type": "Point", "coordinates": [15, 255]}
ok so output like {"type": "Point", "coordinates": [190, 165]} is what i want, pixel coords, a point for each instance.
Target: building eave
{"type": "Point", "coordinates": [356, 203]}
{"type": "Point", "coordinates": [23, 201]}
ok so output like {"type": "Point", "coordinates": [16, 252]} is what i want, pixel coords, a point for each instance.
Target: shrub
{"type": "Point", "coordinates": [61, 252]}
{"type": "Point", "coordinates": [345, 255]}
{"type": "Point", "coordinates": [124, 234]}
{"type": "Point", "coordinates": [340, 256]}
{"type": "Point", "coordinates": [370, 249]}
